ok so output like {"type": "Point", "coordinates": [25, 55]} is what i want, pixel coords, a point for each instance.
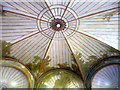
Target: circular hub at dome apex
{"type": "Point", "coordinates": [58, 24]}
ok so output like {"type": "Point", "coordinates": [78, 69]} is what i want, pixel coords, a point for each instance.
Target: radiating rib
{"type": "Point", "coordinates": [17, 9]}
{"type": "Point", "coordinates": [45, 54]}
{"type": "Point", "coordinates": [65, 9]}
{"type": "Point", "coordinates": [38, 50]}
{"type": "Point", "coordinates": [80, 48]}
{"type": "Point", "coordinates": [87, 35]}
{"type": "Point", "coordinates": [59, 52]}
{"type": "Point", "coordinates": [27, 46]}
{"type": "Point", "coordinates": [93, 14]}
{"type": "Point", "coordinates": [93, 7]}
{"type": "Point", "coordinates": [22, 6]}
{"type": "Point", "coordinates": [102, 29]}
{"type": "Point", "coordinates": [27, 49]}
{"type": "Point", "coordinates": [20, 40]}
{"type": "Point", "coordinates": [49, 8]}
{"type": "Point", "coordinates": [25, 15]}
{"type": "Point", "coordinates": [74, 58]}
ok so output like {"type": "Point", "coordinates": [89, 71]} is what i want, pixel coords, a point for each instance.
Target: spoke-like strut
{"type": "Point", "coordinates": [49, 9]}
{"type": "Point", "coordinates": [24, 38]}
{"type": "Point", "coordinates": [65, 9]}
{"type": "Point", "coordinates": [25, 15]}
{"type": "Point", "coordinates": [74, 57]}
{"type": "Point", "coordinates": [93, 14]}
{"type": "Point", "coordinates": [89, 36]}
{"type": "Point", "coordinates": [45, 55]}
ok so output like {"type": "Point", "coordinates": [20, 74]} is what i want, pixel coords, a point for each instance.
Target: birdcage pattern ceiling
{"type": "Point", "coordinates": [61, 32]}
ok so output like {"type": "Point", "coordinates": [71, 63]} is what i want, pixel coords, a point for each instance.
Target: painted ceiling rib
{"type": "Point", "coordinates": [45, 54]}
{"type": "Point", "coordinates": [25, 15]}
{"type": "Point", "coordinates": [16, 9]}
{"type": "Point", "coordinates": [93, 14]}
{"type": "Point", "coordinates": [14, 40]}
{"type": "Point", "coordinates": [65, 9]}
{"type": "Point", "coordinates": [20, 40]}
{"type": "Point", "coordinates": [73, 56]}
{"type": "Point", "coordinates": [24, 39]}
{"type": "Point", "coordinates": [90, 37]}
{"type": "Point", "coordinates": [49, 9]}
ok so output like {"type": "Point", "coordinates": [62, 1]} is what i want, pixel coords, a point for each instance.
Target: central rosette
{"type": "Point", "coordinates": [47, 23]}
{"type": "Point", "coordinates": [58, 24]}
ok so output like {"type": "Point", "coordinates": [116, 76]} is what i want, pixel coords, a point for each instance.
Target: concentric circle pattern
{"type": "Point", "coordinates": [14, 75]}
{"type": "Point", "coordinates": [60, 79]}
{"type": "Point", "coordinates": [58, 12]}
{"type": "Point", "coordinates": [107, 77]}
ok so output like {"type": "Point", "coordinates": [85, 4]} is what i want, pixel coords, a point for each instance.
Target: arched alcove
{"type": "Point", "coordinates": [60, 78]}
{"type": "Point", "coordinates": [15, 75]}
{"type": "Point", "coordinates": [104, 74]}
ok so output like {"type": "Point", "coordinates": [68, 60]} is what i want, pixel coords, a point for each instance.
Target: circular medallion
{"type": "Point", "coordinates": [57, 23]}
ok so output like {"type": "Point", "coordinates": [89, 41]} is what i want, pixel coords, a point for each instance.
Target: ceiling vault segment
{"type": "Point", "coordinates": [90, 37]}
{"type": "Point", "coordinates": [73, 56]}
{"type": "Point", "coordinates": [94, 14]}
{"type": "Point", "coordinates": [25, 15]}
{"type": "Point", "coordinates": [24, 39]}
{"type": "Point", "coordinates": [45, 54]}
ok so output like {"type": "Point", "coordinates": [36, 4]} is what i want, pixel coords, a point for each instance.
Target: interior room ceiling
{"type": "Point", "coordinates": [60, 29]}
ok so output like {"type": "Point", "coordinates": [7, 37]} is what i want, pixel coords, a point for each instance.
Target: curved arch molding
{"type": "Point", "coordinates": [105, 74]}
{"type": "Point", "coordinates": [15, 75]}
{"type": "Point", "coordinates": [107, 77]}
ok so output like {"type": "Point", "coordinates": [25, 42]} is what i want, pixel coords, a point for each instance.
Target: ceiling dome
{"type": "Point", "coordinates": [68, 34]}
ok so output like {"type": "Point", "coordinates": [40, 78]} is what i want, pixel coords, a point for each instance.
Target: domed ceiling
{"type": "Point", "coordinates": [50, 34]}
